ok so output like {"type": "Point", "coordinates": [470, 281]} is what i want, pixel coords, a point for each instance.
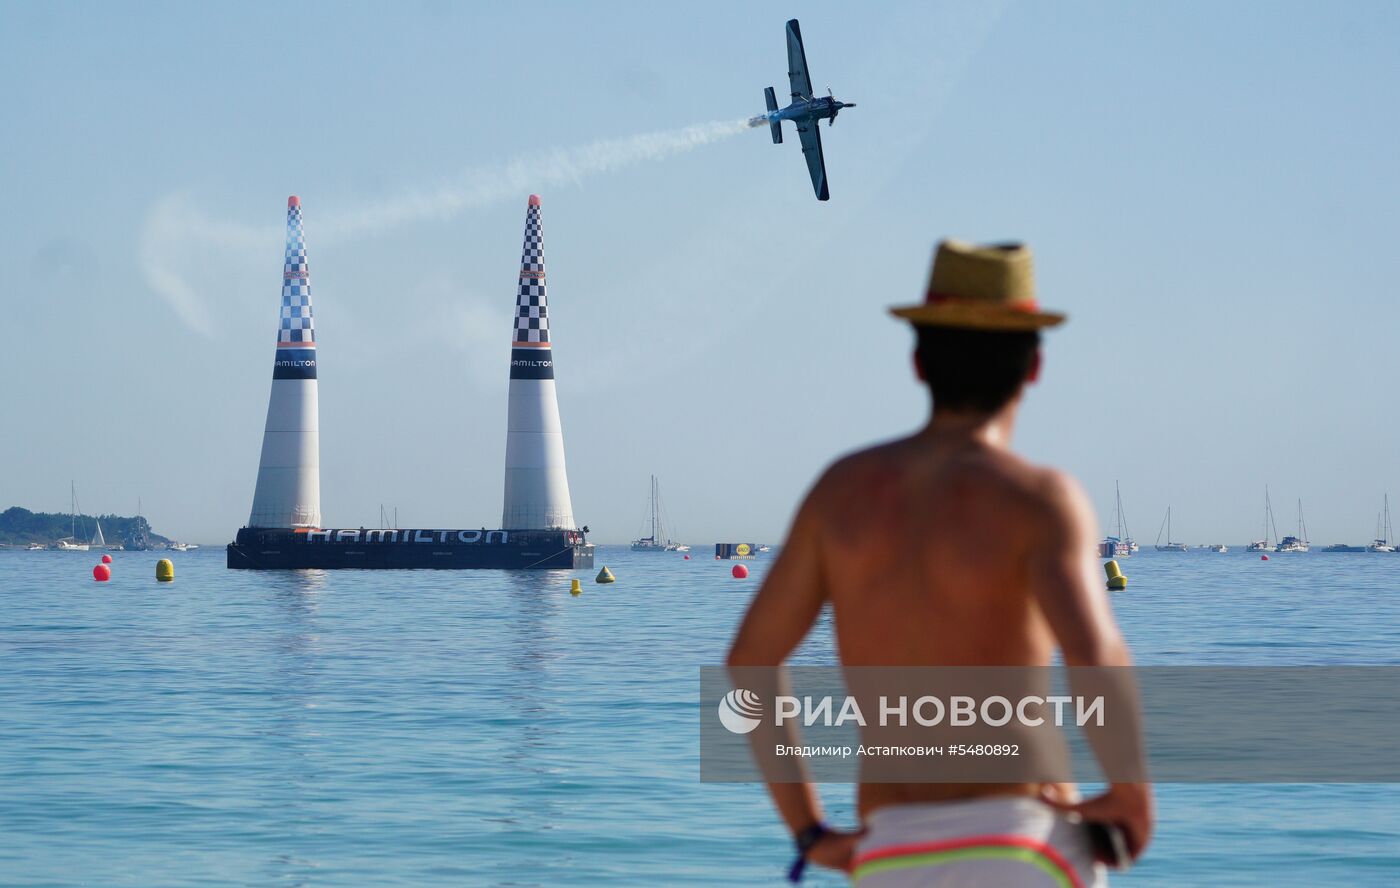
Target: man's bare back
{"type": "Point", "coordinates": [924, 550]}
{"type": "Point", "coordinates": [923, 547]}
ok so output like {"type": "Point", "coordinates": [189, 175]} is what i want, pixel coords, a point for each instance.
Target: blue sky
{"type": "Point", "coordinates": [1211, 191]}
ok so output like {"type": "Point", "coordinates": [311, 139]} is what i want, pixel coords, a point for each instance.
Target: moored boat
{"type": "Point", "coordinates": [1169, 546]}
{"type": "Point", "coordinates": [1298, 543]}
{"type": "Point", "coordinates": [1385, 532]}
{"type": "Point", "coordinates": [1262, 545]}
{"type": "Point", "coordinates": [71, 543]}
{"type": "Point", "coordinates": [1119, 545]}
{"type": "Point", "coordinates": [655, 541]}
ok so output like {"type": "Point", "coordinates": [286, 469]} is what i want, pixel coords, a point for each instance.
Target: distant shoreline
{"type": "Point", "coordinates": [21, 527]}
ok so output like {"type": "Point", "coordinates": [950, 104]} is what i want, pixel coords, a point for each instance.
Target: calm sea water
{"type": "Point", "coordinates": [484, 728]}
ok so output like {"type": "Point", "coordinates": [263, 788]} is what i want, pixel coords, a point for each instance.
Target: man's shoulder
{"type": "Point", "coordinates": [994, 467]}
{"type": "Point", "coordinates": [858, 463]}
{"type": "Point", "coordinates": [1011, 475]}
{"type": "Point", "coordinates": [1050, 494]}
{"type": "Point", "coordinates": [850, 475]}
{"type": "Point", "coordinates": [1037, 485]}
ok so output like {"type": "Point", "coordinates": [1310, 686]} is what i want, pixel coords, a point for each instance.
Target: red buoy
{"type": "Point", "coordinates": [1263, 557]}
{"type": "Point", "coordinates": [106, 559]}
{"type": "Point", "coordinates": [101, 573]}
{"type": "Point", "coordinates": [687, 558]}
{"type": "Point", "coordinates": [740, 572]}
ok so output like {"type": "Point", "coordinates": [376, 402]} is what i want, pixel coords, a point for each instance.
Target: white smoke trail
{"type": "Point", "coordinates": [183, 251]}
{"type": "Point", "coordinates": [490, 185]}
{"type": "Point", "coordinates": [178, 241]}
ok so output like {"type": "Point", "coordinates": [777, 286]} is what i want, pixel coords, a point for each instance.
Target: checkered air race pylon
{"type": "Point", "coordinates": [537, 486]}
{"type": "Point", "coordinates": [288, 493]}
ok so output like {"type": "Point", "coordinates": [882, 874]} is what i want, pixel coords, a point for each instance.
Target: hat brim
{"type": "Point", "coordinates": [977, 317]}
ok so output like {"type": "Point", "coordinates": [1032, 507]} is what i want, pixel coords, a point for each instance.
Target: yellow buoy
{"type": "Point", "coordinates": [1116, 580]}
{"type": "Point", "coordinates": [606, 576]}
{"type": "Point", "coordinates": [165, 571]}
{"type": "Point", "coordinates": [576, 588]}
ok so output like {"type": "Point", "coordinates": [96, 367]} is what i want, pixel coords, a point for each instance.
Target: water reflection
{"type": "Point", "coordinates": [291, 675]}
{"type": "Point", "coordinates": [531, 646]}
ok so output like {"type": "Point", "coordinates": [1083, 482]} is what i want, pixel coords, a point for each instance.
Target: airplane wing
{"type": "Point", "coordinates": [812, 150]}
{"type": "Point", "coordinates": [797, 63]}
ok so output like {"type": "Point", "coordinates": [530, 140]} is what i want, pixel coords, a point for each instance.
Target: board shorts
{"type": "Point", "coordinates": [1002, 841]}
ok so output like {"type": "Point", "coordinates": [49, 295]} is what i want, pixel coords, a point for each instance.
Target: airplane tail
{"type": "Point", "coordinates": [776, 126]}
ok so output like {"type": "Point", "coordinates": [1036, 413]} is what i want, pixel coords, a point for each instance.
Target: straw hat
{"type": "Point", "coordinates": [989, 287]}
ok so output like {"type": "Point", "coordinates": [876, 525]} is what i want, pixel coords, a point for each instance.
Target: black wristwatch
{"type": "Point", "coordinates": [805, 841]}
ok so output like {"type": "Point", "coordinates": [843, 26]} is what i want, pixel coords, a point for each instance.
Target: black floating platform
{"type": "Point", "coordinates": [268, 548]}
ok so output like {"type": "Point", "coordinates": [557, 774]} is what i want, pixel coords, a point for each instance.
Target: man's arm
{"type": "Point", "coordinates": [779, 617]}
{"type": "Point", "coordinates": [1067, 586]}
{"type": "Point", "coordinates": [1066, 582]}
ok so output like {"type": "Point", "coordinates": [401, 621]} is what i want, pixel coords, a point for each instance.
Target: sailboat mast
{"type": "Point", "coordinates": [1266, 514]}
{"type": "Point", "coordinates": [1269, 517]}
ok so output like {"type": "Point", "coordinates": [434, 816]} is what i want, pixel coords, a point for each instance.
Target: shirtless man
{"type": "Point", "coordinates": [947, 549]}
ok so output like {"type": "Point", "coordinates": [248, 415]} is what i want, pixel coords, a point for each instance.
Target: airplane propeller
{"type": "Point", "coordinates": [836, 107]}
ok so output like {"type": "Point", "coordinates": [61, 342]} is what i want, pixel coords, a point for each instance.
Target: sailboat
{"type": "Point", "coordinates": [1385, 531]}
{"type": "Point", "coordinates": [1121, 545]}
{"type": "Point", "coordinates": [1170, 546]}
{"type": "Point", "coordinates": [654, 542]}
{"type": "Point", "coordinates": [138, 541]}
{"type": "Point", "coordinates": [1297, 543]}
{"type": "Point", "coordinates": [1263, 545]}
{"type": "Point", "coordinates": [98, 541]}
{"type": "Point", "coordinates": [70, 543]}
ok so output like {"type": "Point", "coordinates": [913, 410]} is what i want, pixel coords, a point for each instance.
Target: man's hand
{"type": "Point", "coordinates": [835, 850]}
{"type": "Point", "coordinates": [1127, 806]}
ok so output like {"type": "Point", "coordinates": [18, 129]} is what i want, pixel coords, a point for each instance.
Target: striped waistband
{"type": "Point", "coordinates": [969, 848]}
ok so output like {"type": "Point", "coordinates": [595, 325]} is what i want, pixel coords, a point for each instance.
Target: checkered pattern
{"type": "Point", "coordinates": [296, 324]}
{"type": "Point", "coordinates": [531, 306]}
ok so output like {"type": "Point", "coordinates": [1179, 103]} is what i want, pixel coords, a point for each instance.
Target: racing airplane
{"type": "Point", "coordinates": [805, 111]}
